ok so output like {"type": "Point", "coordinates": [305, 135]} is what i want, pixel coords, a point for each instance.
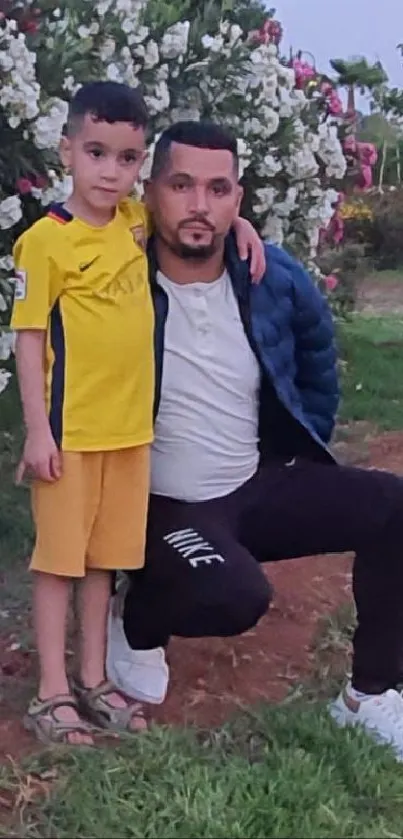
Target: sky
{"type": "Point", "coordinates": [345, 28]}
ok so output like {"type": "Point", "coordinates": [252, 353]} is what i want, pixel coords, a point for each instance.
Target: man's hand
{"type": "Point", "coordinates": [248, 241]}
{"type": "Point", "coordinates": [41, 458]}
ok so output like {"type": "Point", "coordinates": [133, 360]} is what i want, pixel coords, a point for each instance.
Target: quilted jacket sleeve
{"type": "Point", "coordinates": [315, 354]}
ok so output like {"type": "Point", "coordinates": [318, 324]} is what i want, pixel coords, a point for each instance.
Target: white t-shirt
{"type": "Point", "coordinates": [206, 433]}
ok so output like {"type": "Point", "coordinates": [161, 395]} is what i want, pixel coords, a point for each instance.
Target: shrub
{"type": "Point", "coordinates": [192, 63]}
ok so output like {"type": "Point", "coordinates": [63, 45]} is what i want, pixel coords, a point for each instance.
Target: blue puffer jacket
{"type": "Point", "coordinates": [290, 330]}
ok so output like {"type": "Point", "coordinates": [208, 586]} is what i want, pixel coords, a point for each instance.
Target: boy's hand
{"type": "Point", "coordinates": [248, 241]}
{"type": "Point", "coordinates": [41, 458]}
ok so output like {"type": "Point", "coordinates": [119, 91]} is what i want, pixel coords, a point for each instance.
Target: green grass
{"type": "Point", "coordinates": [387, 276]}
{"type": "Point", "coordinates": [277, 771]}
{"type": "Point", "coordinates": [372, 349]}
{"type": "Point", "coordinates": [280, 772]}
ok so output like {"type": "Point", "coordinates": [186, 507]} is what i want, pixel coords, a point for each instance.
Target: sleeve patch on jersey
{"type": "Point", "coordinates": [20, 285]}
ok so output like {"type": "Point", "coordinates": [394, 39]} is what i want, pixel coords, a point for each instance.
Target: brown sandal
{"type": "Point", "coordinates": [42, 721]}
{"type": "Point", "coordinates": [93, 704]}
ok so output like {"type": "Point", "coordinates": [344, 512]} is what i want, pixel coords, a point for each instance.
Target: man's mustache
{"type": "Point", "coordinates": [189, 222]}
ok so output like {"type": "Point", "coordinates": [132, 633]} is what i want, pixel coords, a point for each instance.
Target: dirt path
{"type": "Point", "coordinates": [212, 678]}
{"type": "Point", "coordinates": [380, 297]}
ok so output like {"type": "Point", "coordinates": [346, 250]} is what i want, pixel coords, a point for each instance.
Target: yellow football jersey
{"type": "Point", "coordinates": [88, 288]}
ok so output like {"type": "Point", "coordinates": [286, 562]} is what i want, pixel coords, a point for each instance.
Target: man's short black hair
{"type": "Point", "coordinates": [107, 102]}
{"type": "Point", "coordinates": [200, 135]}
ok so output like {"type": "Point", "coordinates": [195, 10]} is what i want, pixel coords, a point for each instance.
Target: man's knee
{"type": "Point", "coordinates": [244, 607]}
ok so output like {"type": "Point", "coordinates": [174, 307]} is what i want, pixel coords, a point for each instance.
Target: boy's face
{"type": "Point", "coordinates": [105, 160]}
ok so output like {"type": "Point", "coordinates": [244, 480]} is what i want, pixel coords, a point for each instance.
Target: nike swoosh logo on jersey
{"type": "Point", "coordinates": [85, 265]}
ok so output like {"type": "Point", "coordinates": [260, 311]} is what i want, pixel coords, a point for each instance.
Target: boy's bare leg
{"type": "Point", "coordinates": [94, 598]}
{"type": "Point", "coordinates": [50, 604]}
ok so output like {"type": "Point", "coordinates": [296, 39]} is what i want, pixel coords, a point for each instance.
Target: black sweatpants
{"type": "Point", "coordinates": [202, 575]}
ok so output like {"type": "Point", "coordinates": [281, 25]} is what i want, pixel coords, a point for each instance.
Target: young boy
{"type": "Point", "coordinates": [84, 318]}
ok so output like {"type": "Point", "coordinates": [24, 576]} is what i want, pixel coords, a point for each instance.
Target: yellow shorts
{"type": "Point", "coordinates": [95, 515]}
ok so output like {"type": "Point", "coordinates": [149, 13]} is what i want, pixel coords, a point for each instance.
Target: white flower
{"type": "Point", "coordinates": [87, 31]}
{"type": "Point", "coordinates": [6, 344]}
{"type": "Point", "coordinates": [264, 199]}
{"type": "Point", "coordinates": [185, 114]}
{"type": "Point", "coordinates": [336, 168]}
{"type": "Point", "coordinates": [138, 34]}
{"type": "Point", "coordinates": [235, 34]}
{"type": "Point", "coordinates": [284, 208]}
{"type": "Point", "coordinates": [107, 49]}
{"type": "Point", "coordinates": [151, 55]}
{"type": "Point", "coordinates": [19, 91]}
{"type": "Point", "coordinates": [214, 44]}
{"type": "Point", "coordinates": [6, 62]}
{"type": "Point", "coordinates": [286, 75]}
{"type": "Point", "coordinates": [6, 263]}
{"type": "Point", "coordinates": [273, 230]}
{"type": "Point", "coordinates": [48, 129]}
{"type": "Point", "coordinates": [70, 85]}
{"type": "Point", "coordinates": [10, 212]}
{"type": "Point", "coordinates": [58, 192]}
{"type": "Point", "coordinates": [270, 120]}
{"type": "Point", "coordinates": [4, 377]}
{"type": "Point", "coordinates": [159, 101]}
{"type": "Point", "coordinates": [244, 156]}
{"type": "Point", "coordinates": [114, 73]}
{"type": "Point", "coordinates": [102, 7]}
{"type": "Point", "coordinates": [301, 164]}
{"type": "Point", "coordinates": [269, 166]}
{"type": "Point", "coordinates": [332, 196]}
{"type": "Point", "coordinates": [299, 99]}
{"type": "Point", "coordinates": [175, 40]}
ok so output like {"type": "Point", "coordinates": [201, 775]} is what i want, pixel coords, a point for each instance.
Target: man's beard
{"type": "Point", "coordinates": [193, 253]}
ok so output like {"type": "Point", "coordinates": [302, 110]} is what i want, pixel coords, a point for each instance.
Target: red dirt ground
{"type": "Point", "coordinates": [211, 678]}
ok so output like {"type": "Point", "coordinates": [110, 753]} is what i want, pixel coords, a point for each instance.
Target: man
{"type": "Point", "coordinates": [245, 402]}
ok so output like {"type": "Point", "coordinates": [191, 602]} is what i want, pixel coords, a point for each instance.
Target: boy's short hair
{"type": "Point", "coordinates": [200, 135]}
{"type": "Point", "coordinates": [106, 102]}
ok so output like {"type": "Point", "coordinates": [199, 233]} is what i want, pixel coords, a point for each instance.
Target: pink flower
{"type": "Point", "coordinates": [338, 234]}
{"type": "Point", "coordinates": [365, 179]}
{"type": "Point", "coordinates": [28, 26]}
{"type": "Point", "coordinates": [350, 144]}
{"type": "Point", "coordinates": [40, 182]}
{"type": "Point", "coordinates": [270, 33]}
{"type": "Point", "coordinates": [335, 105]}
{"type": "Point", "coordinates": [367, 153]}
{"type": "Point", "coordinates": [331, 282]}
{"type": "Point", "coordinates": [24, 186]}
{"type": "Point", "coordinates": [304, 72]}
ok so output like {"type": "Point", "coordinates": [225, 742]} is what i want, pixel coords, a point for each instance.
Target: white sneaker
{"type": "Point", "coordinates": [381, 716]}
{"type": "Point", "coordinates": [141, 674]}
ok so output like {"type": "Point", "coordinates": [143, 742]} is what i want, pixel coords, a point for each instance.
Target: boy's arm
{"type": "Point", "coordinates": [34, 292]}
{"type": "Point", "coordinates": [41, 456]}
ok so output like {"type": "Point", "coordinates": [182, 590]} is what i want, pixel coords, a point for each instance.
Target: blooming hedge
{"type": "Point", "coordinates": [190, 66]}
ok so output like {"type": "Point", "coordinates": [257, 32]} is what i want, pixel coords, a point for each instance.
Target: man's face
{"type": "Point", "coordinates": [105, 160]}
{"type": "Point", "coordinates": [195, 200]}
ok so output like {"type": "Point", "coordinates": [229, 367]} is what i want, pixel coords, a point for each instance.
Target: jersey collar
{"type": "Point", "coordinates": [59, 213]}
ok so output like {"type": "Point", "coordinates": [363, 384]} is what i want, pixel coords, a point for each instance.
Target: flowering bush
{"type": "Point", "coordinates": [356, 208]}
{"type": "Point", "coordinates": [380, 228]}
{"type": "Point", "coordinates": [190, 66]}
